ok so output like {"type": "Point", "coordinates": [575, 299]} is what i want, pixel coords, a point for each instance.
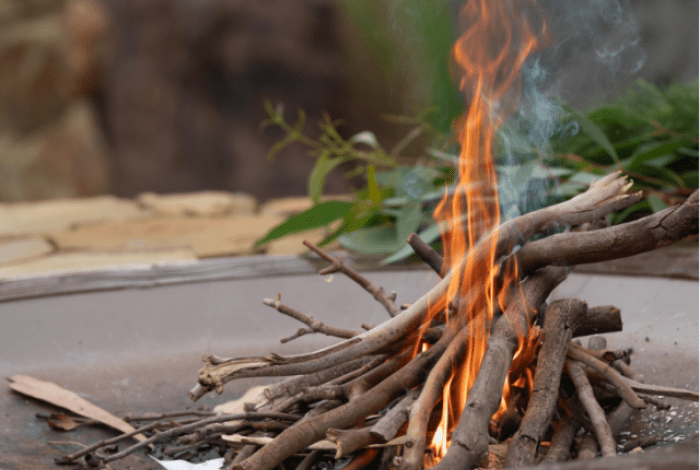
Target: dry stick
{"type": "Point", "coordinates": [386, 428]}
{"type": "Point", "coordinates": [312, 430]}
{"type": "Point", "coordinates": [603, 197]}
{"type": "Point", "coordinates": [645, 234]}
{"type": "Point", "coordinates": [348, 441]}
{"type": "Point", "coordinates": [189, 427]}
{"type": "Point", "coordinates": [560, 447]}
{"type": "Point", "coordinates": [595, 412]}
{"type": "Point", "coordinates": [315, 325]}
{"type": "Point", "coordinates": [651, 389]}
{"type": "Point", "coordinates": [179, 425]}
{"type": "Point", "coordinates": [602, 319]}
{"type": "Point", "coordinates": [561, 318]}
{"type": "Point", "coordinates": [308, 460]}
{"type": "Point", "coordinates": [470, 438]}
{"type": "Point", "coordinates": [362, 460]}
{"type": "Point", "coordinates": [337, 265]}
{"type": "Point", "coordinates": [425, 252]}
{"type": "Point", "coordinates": [587, 447]}
{"type": "Point", "coordinates": [640, 442]}
{"type": "Point", "coordinates": [623, 389]}
{"type": "Point", "coordinates": [275, 394]}
{"type": "Point", "coordinates": [153, 416]}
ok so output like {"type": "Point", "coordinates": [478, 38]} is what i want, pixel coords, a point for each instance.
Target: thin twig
{"type": "Point", "coordinates": [595, 412]}
{"type": "Point", "coordinates": [337, 265]}
{"type": "Point", "coordinates": [315, 326]}
{"type": "Point", "coordinates": [425, 252]}
{"type": "Point", "coordinates": [178, 429]}
{"type": "Point", "coordinates": [611, 375]}
{"type": "Point", "coordinates": [152, 416]}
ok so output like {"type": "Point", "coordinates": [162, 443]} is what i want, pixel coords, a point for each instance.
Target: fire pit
{"type": "Point", "coordinates": [479, 371]}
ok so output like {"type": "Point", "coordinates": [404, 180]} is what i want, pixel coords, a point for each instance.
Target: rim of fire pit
{"type": "Point", "coordinates": [679, 261]}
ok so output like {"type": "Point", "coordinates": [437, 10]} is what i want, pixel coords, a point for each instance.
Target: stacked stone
{"type": "Point", "coordinates": [51, 64]}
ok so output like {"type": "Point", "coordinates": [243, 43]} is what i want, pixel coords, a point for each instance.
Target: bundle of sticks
{"type": "Point", "coordinates": [375, 397]}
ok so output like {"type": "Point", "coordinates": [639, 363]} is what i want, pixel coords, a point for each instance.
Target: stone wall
{"type": "Point", "coordinates": [51, 143]}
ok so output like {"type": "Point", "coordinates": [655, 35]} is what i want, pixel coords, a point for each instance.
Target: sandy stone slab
{"type": "Point", "coordinates": [207, 237]}
{"type": "Point", "coordinates": [29, 218]}
{"type": "Point", "coordinates": [204, 203]}
{"type": "Point", "coordinates": [292, 244]}
{"type": "Point", "coordinates": [17, 250]}
{"type": "Point", "coordinates": [63, 263]}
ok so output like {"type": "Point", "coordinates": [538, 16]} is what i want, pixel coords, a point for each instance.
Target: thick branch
{"type": "Point", "coordinates": [603, 319]}
{"type": "Point", "coordinates": [654, 231]}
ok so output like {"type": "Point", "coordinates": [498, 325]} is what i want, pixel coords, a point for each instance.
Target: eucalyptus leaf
{"type": "Point", "coordinates": [374, 193]}
{"type": "Point", "coordinates": [594, 132]}
{"type": "Point", "coordinates": [408, 220]}
{"type": "Point", "coordinates": [648, 152]}
{"type": "Point", "coordinates": [656, 204]}
{"type": "Point", "coordinates": [428, 235]}
{"type": "Point", "coordinates": [373, 240]}
{"type": "Point", "coordinates": [317, 178]}
{"type": "Point", "coordinates": [319, 215]}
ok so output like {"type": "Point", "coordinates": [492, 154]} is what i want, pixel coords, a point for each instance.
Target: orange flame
{"type": "Point", "coordinates": [489, 57]}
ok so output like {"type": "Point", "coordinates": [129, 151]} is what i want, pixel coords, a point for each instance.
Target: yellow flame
{"type": "Point", "coordinates": [489, 55]}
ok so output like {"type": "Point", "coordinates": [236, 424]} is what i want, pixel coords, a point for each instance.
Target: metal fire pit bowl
{"type": "Point", "coordinates": [133, 340]}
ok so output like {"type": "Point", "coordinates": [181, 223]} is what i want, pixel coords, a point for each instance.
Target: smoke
{"type": "Point", "coordinates": [594, 45]}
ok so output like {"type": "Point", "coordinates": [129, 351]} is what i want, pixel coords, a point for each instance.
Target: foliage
{"type": "Point", "coordinates": [649, 134]}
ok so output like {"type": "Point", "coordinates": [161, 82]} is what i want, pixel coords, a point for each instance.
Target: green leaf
{"type": "Point", "coordinates": [408, 220]}
{"type": "Point", "coordinates": [319, 215]}
{"type": "Point", "coordinates": [594, 132]}
{"type": "Point", "coordinates": [371, 240]}
{"type": "Point", "coordinates": [317, 178]}
{"type": "Point", "coordinates": [656, 203]}
{"type": "Point", "coordinates": [374, 194]}
{"type": "Point", "coordinates": [428, 235]}
{"type": "Point", "coordinates": [648, 152]}
{"type": "Point", "coordinates": [625, 213]}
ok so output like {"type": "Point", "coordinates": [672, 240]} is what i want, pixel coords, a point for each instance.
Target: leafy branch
{"type": "Point", "coordinates": [650, 134]}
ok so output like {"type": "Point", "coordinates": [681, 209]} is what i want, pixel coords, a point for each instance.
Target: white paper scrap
{"type": "Point", "coordinates": [214, 464]}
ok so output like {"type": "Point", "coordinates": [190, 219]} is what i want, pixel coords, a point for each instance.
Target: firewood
{"type": "Point", "coordinates": [561, 319]}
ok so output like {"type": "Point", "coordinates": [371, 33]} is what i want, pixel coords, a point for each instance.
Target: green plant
{"type": "Point", "coordinates": [649, 134]}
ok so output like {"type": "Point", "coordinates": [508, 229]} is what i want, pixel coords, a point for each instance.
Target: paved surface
{"type": "Point", "coordinates": [140, 349]}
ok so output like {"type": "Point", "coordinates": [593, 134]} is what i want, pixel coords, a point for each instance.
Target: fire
{"type": "Point", "coordinates": [488, 57]}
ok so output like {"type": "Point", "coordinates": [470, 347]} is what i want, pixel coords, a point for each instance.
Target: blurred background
{"type": "Point", "coordinates": [127, 96]}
